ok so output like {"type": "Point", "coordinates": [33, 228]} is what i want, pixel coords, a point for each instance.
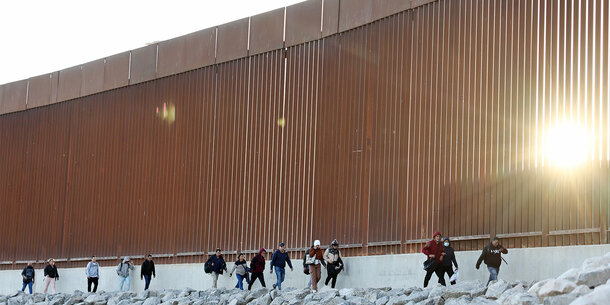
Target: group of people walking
{"type": "Point", "coordinates": [440, 260]}
{"type": "Point", "coordinates": [313, 261]}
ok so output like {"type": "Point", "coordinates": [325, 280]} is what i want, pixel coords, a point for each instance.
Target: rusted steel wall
{"type": "Point", "coordinates": [430, 119]}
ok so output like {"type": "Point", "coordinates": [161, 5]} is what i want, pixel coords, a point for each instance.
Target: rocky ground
{"type": "Point", "coordinates": [589, 284]}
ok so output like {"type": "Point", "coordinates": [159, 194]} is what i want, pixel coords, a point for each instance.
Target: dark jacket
{"type": "Point", "coordinates": [258, 262]}
{"type": "Point", "coordinates": [434, 248]}
{"type": "Point", "coordinates": [280, 259]}
{"type": "Point", "coordinates": [492, 256]}
{"type": "Point", "coordinates": [449, 257]}
{"type": "Point", "coordinates": [148, 268]}
{"type": "Point", "coordinates": [219, 263]}
{"type": "Point", "coordinates": [305, 266]}
{"type": "Point", "coordinates": [51, 271]}
{"type": "Point", "coordinates": [29, 273]}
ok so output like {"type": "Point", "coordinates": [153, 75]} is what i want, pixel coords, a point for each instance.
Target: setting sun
{"type": "Point", "coordinates": [567, 145]}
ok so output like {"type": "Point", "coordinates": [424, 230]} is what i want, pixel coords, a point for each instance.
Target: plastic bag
{"type": "Point", "coordinates": [454, 277]}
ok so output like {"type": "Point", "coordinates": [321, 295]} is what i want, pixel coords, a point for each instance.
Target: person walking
{"type": "Point", "coordinates": [258, 268]}
{"type": "Point", "coordinates": [240, 268]}
{"type": "Point", "coordinates": [448, 261]}
{"type": "Point", "coordinates": [50, 276]}
{"type": "Point", "coordinates": [278, 262]}
{"type": "Point", "coordinates": [123, 272]}
{"type": "Point", "coordinates": [28, 275]}
{"type": "Point", "coordinates": [147, 271]}
{"type": "Point", "coordinates": [492, 256]}
{"type": "Point", "coordinates": [93, 274]}
{"type": "Point", "coordinates": [334, 263]}
{"type": "Point", "coordinates": [315, 269]}
{"type": "Point", "coordinates": [435, 252]}
{"type": "Point", "coordinates": [218, 266]}
{"type": "Point", "coordinates": [306, 267]}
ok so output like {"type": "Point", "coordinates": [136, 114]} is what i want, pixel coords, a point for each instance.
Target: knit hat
{"type": "Point", "coordinates": [316, 243]}
{"type": "Point", "coordinates": [436, 233]}
{"type": "Point", "coordinates": [282, 244]}
{"type": "Point", "coordinates": [335, 243]}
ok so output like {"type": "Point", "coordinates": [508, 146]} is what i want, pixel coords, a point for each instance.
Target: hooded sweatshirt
{"type": "Point", "coordinates": [434, 248]}
{"type": "Point", "coordinates": [258, 262]}
{"type": "Point", "coordinates": [492, 255]}
{"type": "Point", "coordinates": [29, 273]}
{"type": "Point", "coordinates": [123, 268]}
{"type": "Point", "coordinates": [92, 270]}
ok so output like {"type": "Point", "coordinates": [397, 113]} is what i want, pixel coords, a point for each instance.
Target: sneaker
{"type": "Point", "coordinates": [314, 291]}
{"type": "Point", "coordinates": [274, 285]}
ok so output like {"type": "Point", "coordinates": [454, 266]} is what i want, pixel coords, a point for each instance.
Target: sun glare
{"type": "Point", "coordinates": [568, 145]}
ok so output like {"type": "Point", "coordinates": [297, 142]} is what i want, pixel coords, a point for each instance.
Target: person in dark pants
{"type": "Point", "coordinates": [258, 268]}
{"type": "Point", "coordinates": [448, 261]}
{"type": "Point", "coordinates": [147, 271]}
{"type": "Point", "coordinates": [278, 261]}
{"type": "Point", "coordinates": [492, 256]}
{"type": "Point", "coordinates": [93, 274]}
{"type": "Point", "coordinates": [434, 250]}
{"type": "Point", "coordinates": [28, 275]}
{"type": "Point", "coordinates": [334, 263]}
{"type": "Point", "coordinates": [218, 266]}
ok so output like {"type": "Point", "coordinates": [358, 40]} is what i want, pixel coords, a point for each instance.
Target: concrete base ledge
{"type": "Point", "coordinates": [403, 270]}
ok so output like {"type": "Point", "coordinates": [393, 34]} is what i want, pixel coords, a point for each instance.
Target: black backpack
{"type": "Point", "coordinates": [208, 266]}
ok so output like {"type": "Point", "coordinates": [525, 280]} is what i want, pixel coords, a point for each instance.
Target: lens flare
{"type": "Point", "coordinates": [567, 145]}
{"type": "Point", "coordinates": [281, 122]}
{"type": "Point", "coordinates": [167, 112]}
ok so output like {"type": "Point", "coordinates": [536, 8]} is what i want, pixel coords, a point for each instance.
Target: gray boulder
{"type": "Point", "coordinates": [437, 291]}
{"type": "Point", "coordinates": [555, 287]}
{"type": "Point", "coordinates": [521, 298]}
{"type": "Point", "coordinates": [496, 288]}
{"type": "Point", "coordinates": [536, 287]}
{"type": "Point", "coordinates": [432, 301]}
{"type": "Point", "coordinates": [471, 289]}
{"type": "Point", "coordinates": [417, 296]}
{"type": "Point", "coordinates": [383, 300]}
{"type": "Point", "coordinates": [570, 275]}
{"type": "Point", "coordinates": [594, 277]}
{"type": "Point", "coordinates": [600, 295]}
{"type": "Point", "coordinates": [463, 300]}
{"type": "Point", "coordinates": [152, 301]}
{"type": "Point", "coordinates": [563, 299]}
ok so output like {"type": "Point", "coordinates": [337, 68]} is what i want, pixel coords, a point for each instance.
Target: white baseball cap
{"type": "Point", "coordinates": [316, 243]}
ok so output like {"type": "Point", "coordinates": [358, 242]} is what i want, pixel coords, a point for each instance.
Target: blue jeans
{"type": "Point", "coordinates": [29, 285]}
{"type": "Point", "coordinates": [240, 281]}
{"type": "Point", "coordinates": [124, 280]}
{"type": "Point", "coordinates": [493, 274]}
{"type": "Point", "coordinates": [280, 273]}
{"type": "Point", "coordinates": [146, 281]}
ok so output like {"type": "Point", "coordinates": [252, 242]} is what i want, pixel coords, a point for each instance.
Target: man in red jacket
{"type": "Point", "coordinates": [434, 250]}
{"type": "Point", "coordinates": [258, 267]}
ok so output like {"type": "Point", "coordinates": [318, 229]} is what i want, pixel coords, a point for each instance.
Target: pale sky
{"type": "Point", "coordinates": [42, 36]}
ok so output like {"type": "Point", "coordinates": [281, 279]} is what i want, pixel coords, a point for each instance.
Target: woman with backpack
{"type": "Point", "coordinates": [28, 274]}
{"type": "Point", "coordinates": [122, 271]}
{"type": "Point", "coordinates": [241, 271]}
{"type": "Point", "coordinates": [334, 263]}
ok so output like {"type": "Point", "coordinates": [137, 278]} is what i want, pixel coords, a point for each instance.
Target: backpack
{"type": "Point", "coordinates": [119, 268]}
{"type": "Point", "coordinates": [207, 268]}
{"type": "Point", "coordinates": [29, 273]}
